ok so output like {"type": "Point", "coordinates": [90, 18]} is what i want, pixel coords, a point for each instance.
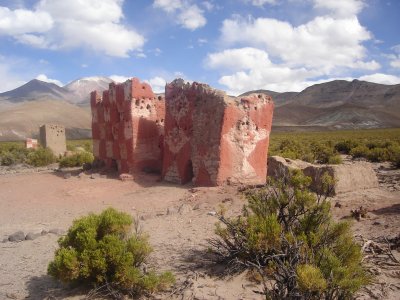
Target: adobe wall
{"type": "Point", "coordinates": [196, 133]}
{"type": "Point", "coordinates": [127, 126]}
{"type": "Point", "coordinates": [212, 139]}
{"type": "Point", "coordinates": [53, 137]}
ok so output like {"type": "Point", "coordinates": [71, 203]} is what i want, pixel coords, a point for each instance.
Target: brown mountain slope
{"type": "Point", "coordinates": [339, 104]}
{"type": "Point", "coordinates": [23, 120]}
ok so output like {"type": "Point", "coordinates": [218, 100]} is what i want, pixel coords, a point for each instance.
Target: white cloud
{"type": "Point", "coordinates": [37, 41]}
{"type": "Point", "coordinates": [192, 18]}
{"type": "Point", "coordinates": [157, 84]}
{"type": "Point", "coordinates": [168, 5]}
{"type": "Point", "coordinates": [119, 78]}
{"type": "Point", "coordinates": [261, 2]}
{"type": "Point", "coordinates": [272, 54]}
{"type": "Point", "coordinates": [396, 48]}
{"type": "Point", "coordinates": [21, 21]}
{"type": "Point", "coordinates": [202, 41]}
{"type": "Point", "coordinates": [324, 42]}
{"type": "Point", "coordinates": [252, 69]}
{"type": "Point", "coordinates": [43, 77]}
{"type": "Point", "coordinates": [340, 8]}
{"type": "Point", "coordinates": [185, 13]}
{"type": "Point", "coordinates": [59, 24]}
{"type": "Point", "coordinates": [381, 78]}
{"type": "Point", "coordinates": [208, 5]}
{"type": "Point", "coordinates": [140, 55]}
{"type": "Point", "coordinates": [396, 62]}
{"type": "Point", "coordinates": [238, 59]}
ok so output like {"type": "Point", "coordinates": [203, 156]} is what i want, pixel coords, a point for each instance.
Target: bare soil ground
{"type": "Point", "coordinates": [179, 220]}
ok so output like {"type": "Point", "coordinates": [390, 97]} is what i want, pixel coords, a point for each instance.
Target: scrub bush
{"type": "Point", "coordinates": [99, 250]}
{"type": "Point", "coordinates": [345, 146]}
{"type": "Point", "coordinates": [41, 157]}
{"type": "Point", "coordinates": [286, 234]}
{"type": "Point", "coordinates": [77, 159]}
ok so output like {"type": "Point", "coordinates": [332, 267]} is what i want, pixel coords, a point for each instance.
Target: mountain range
{"type": "Point", "coordinates": [332, 105]}
{"type": "Point", "coordinates": [24, 109]}
{"type": "Point", "coordinates": [76, 92]}
{"type": "Point", "coordinates": [337, 104]}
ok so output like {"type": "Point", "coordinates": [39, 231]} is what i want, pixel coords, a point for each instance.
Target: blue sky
{"type": "Point", "coordinates": [234, 45]}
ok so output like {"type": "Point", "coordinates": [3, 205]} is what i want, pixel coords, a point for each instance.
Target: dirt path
{"type": "Point", "coordinates": [178, 219]}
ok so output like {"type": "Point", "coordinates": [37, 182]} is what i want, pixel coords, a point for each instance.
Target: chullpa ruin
{"type": "Point", "coordinates": [194, 133]}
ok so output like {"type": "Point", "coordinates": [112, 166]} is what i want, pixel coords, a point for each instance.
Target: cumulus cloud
{"type": "Point", "coordinates": [157, 83]}
{"type": "Point", "coordinates": [254, 70]}
{"type": "Point", "coordinates": [119, 78]}
{"type": "Point", "coordinates": [273, 54]}
{"type": "Point", "coordinates": [22, 21]}
{"type": "Point", "coordinates": [323, 42]}
{"type": "Point", "coordinates": [381, 78]}
{"type": "Point", "coordinates": [340, 8]}
{"type": "Point", "coordinates": [59, 24]}
{"type": "Point", "coordinates": [186, 14]}
{"type": "Point", "coordinates": [43, 77]}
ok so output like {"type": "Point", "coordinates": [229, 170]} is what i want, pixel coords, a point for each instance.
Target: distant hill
{"type": "Point", "coordinates": [338, 104]}
{"type": "Point", "coordinates": [36, 90]}
{"type": "Point", "coordinates": [23, 120]}
{"type": "Point", "coordinates": [74, 92]}
{"type": "Point", "coordinates": [279, 98]}
{"type": "Point", "coordinates": [81, 88]}
{"type": "Point", "coordinates": [35, 103]}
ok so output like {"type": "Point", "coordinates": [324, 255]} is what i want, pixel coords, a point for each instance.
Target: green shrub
{"type": "Point", "coordinates": [77, 159]}
{"type": "Point", "coordinates": [13, 153]}
{"type": "Point", "coordinates": [345, 146]}
{"type": "Point", "coordinates": [325, 153]}
{"type": "Point", "coordinates": [360, 151]}
{"type": "Point", "coordinates": [378, 154]}
{"type": "Point", "coordinates": [7, 159]}
{"type": "Point", "coordinates": [41, 157]}
{"type": "Point", "coordinates": [99, 250]}
{"type": "Point", "coordinates": [287, 235]}
{"type": "Point", "coordinates": [335, 159]}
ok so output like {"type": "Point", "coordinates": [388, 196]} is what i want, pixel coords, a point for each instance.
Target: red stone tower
{"type": "Point", "coordinates": [212, 138]}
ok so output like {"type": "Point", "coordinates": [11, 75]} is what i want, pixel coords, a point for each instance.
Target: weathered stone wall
{"type": "Point", "coordinates": [212, 138]}
{"type": "Point", "coordinates": [196, 133]}
{"type": "Point", "coordinates": [53, 137]}
{"type": "Point", "coordinates": [127, 126]}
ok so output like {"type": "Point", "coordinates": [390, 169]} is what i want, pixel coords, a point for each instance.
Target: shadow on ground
{"type": "Point", "coordinates": [47, 288]}
{"type": "Point", "coordinates": [390, 210]}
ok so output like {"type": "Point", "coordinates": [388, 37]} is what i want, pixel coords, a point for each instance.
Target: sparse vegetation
{"type": "Point", "coordinates": [77, 159]}
{"type": "Point", "coordinates": [41, 157]}
{"type": "Point", "coordinates": [287, 236]}
{"type": "Point", "coordinates": [376, 145]}
{"type": "Point", "coordinates": [100, 250]}
{"type": "Point", "coordinates": [12, 153]}
{"type": "Point", "coordinates": [73, 145]}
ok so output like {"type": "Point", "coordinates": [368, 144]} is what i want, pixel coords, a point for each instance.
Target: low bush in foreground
{"type": "Point", "coordinates": [77, 159]}
{"type": "Point", "coordinates": [41, 157]}
{"type": "Point", "coordinates": [287, 236]}
{"type": "Point", "coordinates": [13, 153]}
{"type": "Point", "coordinates": [99, 250]}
